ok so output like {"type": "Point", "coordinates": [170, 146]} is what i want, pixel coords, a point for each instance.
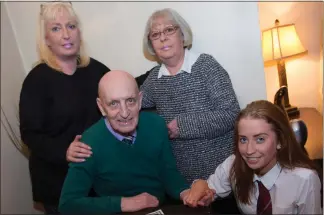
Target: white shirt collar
{"type": "Point", "coordinates": [189, 59]}
{"type": "Point", "coordinates": [269, 179]}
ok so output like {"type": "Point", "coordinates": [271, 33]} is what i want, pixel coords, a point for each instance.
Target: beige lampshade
{"type": "Point", "coordinates": [281, 42]}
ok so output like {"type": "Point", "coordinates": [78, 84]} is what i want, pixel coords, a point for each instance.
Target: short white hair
{"type": "Point", "coordinates": [176, 19]}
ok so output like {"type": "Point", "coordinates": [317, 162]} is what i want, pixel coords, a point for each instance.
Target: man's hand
{"type": "Point", "coordinates": [139, 202]}
{"type": "Point", "coordinates": [173, 129]}
{"type": "Point", "coordinates": [77, 151]}
{"type": "Point", "coordinates": [184, 194]}
{"type": "Point", "coordinates": [199, 194]}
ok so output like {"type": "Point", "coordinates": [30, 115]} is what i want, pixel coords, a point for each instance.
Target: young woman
{"type": "Point", "coordinates": [269, 173]}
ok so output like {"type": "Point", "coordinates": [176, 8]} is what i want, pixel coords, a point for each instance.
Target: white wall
{"type": "Point", "coordinates": [16, 197]}
{"type": "Point", "coordinates": [113, 32]}
{"type": "Point", "coordinates": [302, 73]}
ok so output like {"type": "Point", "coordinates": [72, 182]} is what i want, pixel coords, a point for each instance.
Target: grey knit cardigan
{"type": "Point", "coordinates": [205, 106]}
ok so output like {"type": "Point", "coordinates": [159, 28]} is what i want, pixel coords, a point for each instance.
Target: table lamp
{"type": "Point", "coordinates": [278, 44]}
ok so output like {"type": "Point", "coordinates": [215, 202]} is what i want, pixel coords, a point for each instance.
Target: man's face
{"type": "Point", "coordinates": [121, 107]}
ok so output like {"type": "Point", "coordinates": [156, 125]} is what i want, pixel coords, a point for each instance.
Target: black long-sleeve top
{"type": "Point", "coordinates": [53, 109]}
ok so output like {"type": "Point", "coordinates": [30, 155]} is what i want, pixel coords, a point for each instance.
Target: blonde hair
{"type": "Point", "coordinates": [48, 11]}
{"type": "Point", "coordinates": [176, 19]}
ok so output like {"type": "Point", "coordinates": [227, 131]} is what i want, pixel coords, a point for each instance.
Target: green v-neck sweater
{"type": "Point", "coordinates": [117, 170]}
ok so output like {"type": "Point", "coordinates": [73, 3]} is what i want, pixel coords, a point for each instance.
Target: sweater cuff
{"type": "Point", "coordinates": [182, 189]}
{"type": "Point", "coordinates": [181, 125]}
{"type": "Point", "coordinates": [182, 192]}
{"type": "Point", "coordinates": [116, 204]}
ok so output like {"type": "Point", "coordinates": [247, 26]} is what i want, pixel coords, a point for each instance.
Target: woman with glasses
{"type": "Point", "coordinates": [58, 100]}
{"type": "Point", "coordinates": [192, 92]}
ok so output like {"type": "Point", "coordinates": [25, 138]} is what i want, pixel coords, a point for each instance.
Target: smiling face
{"type": "Point", "coordinates": [166, 46]}
{"type": "Point", "coordinates": [120, 101]}
{"type": "Point", "coordinates": [257, 144]}
{"type": "Point", "coordinates": [62, 34]}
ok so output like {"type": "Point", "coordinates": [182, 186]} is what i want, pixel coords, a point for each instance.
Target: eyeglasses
{"type": "Point", "coordinates": [154, 35]}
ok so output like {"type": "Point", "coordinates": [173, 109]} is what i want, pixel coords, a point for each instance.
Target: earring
{"type": "Point", "coordinates": [278, 146]}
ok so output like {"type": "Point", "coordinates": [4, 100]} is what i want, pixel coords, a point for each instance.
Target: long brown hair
{"type": "Point", "coordinates": [289, 156]}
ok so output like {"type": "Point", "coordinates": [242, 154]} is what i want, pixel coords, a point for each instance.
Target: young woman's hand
{"type": "Point", "coordinates": [199, 194]}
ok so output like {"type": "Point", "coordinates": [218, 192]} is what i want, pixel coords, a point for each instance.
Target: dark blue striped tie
{"type": "Point", "coordinates": [128, 140]}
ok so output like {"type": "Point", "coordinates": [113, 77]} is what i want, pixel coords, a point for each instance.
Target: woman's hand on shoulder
{"type": "Point", "coordinates": [78, 151]}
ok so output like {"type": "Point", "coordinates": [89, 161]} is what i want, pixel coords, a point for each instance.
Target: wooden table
{"type": "Point", "coordinates": [176, 210]}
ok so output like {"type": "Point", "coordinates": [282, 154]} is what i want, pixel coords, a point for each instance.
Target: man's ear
{"type": "Point", "coordinates": [140, 97]}
{"type": "Point", "coordinates": [99, 103]}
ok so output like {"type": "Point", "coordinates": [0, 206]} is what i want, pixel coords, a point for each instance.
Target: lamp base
{"type": "Point", "coordinates": [293, 112]}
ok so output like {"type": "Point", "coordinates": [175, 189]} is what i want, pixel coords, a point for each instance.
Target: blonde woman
{"type": "Point", "coordinates": [58, 99]}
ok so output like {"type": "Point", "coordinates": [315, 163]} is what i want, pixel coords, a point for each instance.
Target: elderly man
{"type": "Point", "coordinates": [132, 166]}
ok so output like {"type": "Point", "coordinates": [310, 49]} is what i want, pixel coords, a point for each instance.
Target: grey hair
{"type": "Point", "coordinates": [176, 19]}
